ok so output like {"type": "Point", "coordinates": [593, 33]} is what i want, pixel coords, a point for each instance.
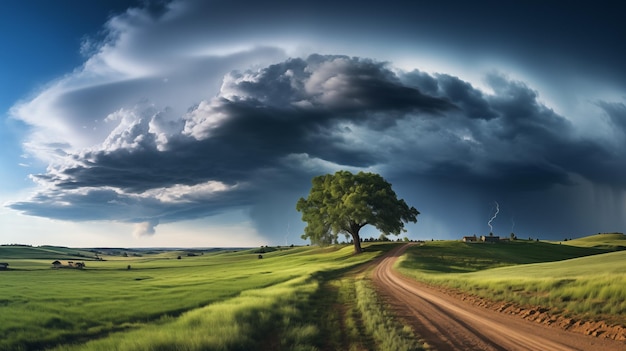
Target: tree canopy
{"type": "Point", "coordinates": [343, 203]}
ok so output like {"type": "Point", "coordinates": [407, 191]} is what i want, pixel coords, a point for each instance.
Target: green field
{"type": "Point", "coordinates": [612, 241]}
{"type": "Point", "coordinates": [584, 277]}
{"type": "Point", "coordinates": [210, 301]}
{"type": "Point", "coordinates": [43, 253]}
{"type": "Point", "coordinates": [301, 298]}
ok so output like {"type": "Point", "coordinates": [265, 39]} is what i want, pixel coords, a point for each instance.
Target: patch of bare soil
{"type": "Point", "coordinates": [542, 315]}
{"type": "Point", "coordinates": [449, 320]}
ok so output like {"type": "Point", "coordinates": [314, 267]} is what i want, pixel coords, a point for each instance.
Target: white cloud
{"type": "Point", "coordinates": [145, 228]}
{"type": "Point", "coordinates": [145, 59]}
{"type": "Point", "coordinates": [203, 119]}
{"type": "Point", "coordinates": [187, 193]}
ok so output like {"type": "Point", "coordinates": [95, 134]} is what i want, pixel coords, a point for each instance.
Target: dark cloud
{"type": "Point", "coordinates": [265, 117]}
{"type": "Point", "coordinates": [337, 84]}
{"type": "Point", "coordinates": [270, 130]}
{"type": "Point", "coordinates": [616, 111]}
{"type": "Point", "coordinates": [472, 101]}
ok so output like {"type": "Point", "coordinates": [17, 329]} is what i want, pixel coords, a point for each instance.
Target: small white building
{"type": "Point", "coordinates": [467, 239]}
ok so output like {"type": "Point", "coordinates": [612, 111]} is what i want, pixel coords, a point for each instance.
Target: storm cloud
{"type": "Point", "coordinates": [269, 130]}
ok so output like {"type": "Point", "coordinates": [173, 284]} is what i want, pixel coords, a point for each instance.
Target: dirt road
{"type": "Point", "coordinates": [447, 323]}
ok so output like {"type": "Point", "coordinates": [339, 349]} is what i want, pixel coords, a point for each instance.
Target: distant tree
{"type": "Point", "coordinates": [343, 203]}
{"type": "Point", "coordinates": [513, 237]}
{"type": "Point", "coordinates": [179, 257]}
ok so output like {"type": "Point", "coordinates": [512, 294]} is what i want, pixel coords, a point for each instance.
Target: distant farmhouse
{"type": "Point", "coordinates": [489, 238]}
{"type": "Point", "coordinates": [467, 239]}
{"type": "Point", "coordinates": [483, 238]}
{"type": "Point", "coordinates": [4, 266]}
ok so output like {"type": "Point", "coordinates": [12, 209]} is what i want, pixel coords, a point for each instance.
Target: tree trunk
{"type": "Point", "coordinates": [354, 229]}
{"type": "Point", "coordinates": [357, 242]}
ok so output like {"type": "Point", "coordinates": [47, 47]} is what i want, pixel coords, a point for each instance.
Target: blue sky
{"type": "Point", "coordinates": [194, 123]}
{"type": "Point", "coordinates": [39, 50]}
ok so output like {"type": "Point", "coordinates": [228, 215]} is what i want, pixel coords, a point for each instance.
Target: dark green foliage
{"type": "Point", "coordinates": [343, 203]}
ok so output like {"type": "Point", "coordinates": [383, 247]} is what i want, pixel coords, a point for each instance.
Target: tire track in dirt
{"type": "Point", "coordinates": [447, 323]}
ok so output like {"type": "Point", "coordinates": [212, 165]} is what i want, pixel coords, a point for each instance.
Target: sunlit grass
{"type": "Point", "coordinates": [611, 241]}
{"type": "Point", "coordinates": [240, 323]}
{"type": "Point", "coordinates": [386, 330]}
{"type": "Point", "coordinates": [592, 286]}
{"type": "Point", "coordinates": [359, 319]}
{"type": "Point", "coordinates": [218, 301]}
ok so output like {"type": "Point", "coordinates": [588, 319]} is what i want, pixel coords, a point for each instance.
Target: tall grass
{"type": "Point", "coordinates": [257, 319]}
{"type": "Point", "coordinates": [610, 241]}
{"type": "Point", "coordinates": [358, 319]}
{"type": "Point", "coordinates": [386, 330]}
{"type": "Point", "coordinates": [45, 306]}
{"type": "Point", "coordinates": [221, 301]}
{"type": "Point", "coordinates": [589, 286]}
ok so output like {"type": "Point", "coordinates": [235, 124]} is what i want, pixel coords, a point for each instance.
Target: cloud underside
{"type": "Point", "coordinates": [269, 130]}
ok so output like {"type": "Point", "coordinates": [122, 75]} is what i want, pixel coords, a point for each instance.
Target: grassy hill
{"type": "Point", "coordinates": [459, 257]}
{"type": "Point", "coordinates": [10, 252]}
{"type": "Point", "coordinates": [213, 301]}
{"type": "Point", "coordinates": [609, 241]}
{"type": "Point", "coordinates": [231, 299]}
{"type": "Point", "coordinates": [585, 279]}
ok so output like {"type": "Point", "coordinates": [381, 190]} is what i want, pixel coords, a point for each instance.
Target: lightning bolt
{"type": "Point", "coordinates": [494, 217]}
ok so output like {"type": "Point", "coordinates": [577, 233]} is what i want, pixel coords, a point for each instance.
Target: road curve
{"type": "Point", "coordinates": [447, 323]}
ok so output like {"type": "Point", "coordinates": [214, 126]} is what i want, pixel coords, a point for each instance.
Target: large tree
{"type": "Point", "coordinates": [343, 203]}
